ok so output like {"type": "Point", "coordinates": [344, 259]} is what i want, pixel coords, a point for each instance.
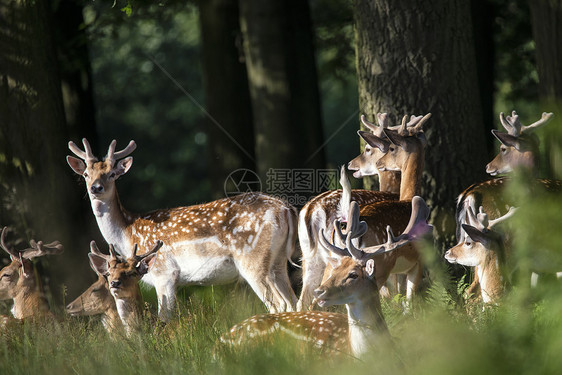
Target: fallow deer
{"type": "Point", "coordinates": [519, 149]}
{"type": "Point", "coordinates": [97, 300]}
{"type": "Point", "coordinates": [19, 282]}
{"type": "Point", "coordinates": [322, 210]}
{"type": "Point", "coordinates": [250, 235]}
{"type": "Point", "coordinates": [123, 276]}
{"type": "Point", "coordinates": [484, 248]}
{"type": "Point", "coordinates": [351, 282]}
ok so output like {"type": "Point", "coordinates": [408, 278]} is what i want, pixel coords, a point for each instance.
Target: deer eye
{"type": "Point", "coordinates": [391, 149]}
{"type": "Point", "coordinates": [85, 174]}
{"type": "Point", "coordinates": [368, 150]}
{"type": "Point", "coordinates": [6, 275]}
{"type": "Point", "coordinates": [352, 276]}
{"type": "Point", "coordinates": [112, 175]}
{"type": "Point", "coordinates": [468, 243]}
{"type": "Point", "coordinates": [503, 149]}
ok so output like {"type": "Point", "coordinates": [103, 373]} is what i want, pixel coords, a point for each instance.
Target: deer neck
{"type": "Point", "coordinates": [411, 176]}
{"type": "Point", "coordinates": [389, 181]}
{"type": "Point", "coordinates": [114, 222]}
{"type": "Point", "coordinates": [367, 327]}
{"type": "Point", "coordinates": [130, 312]}
{"type": "Point", "coordinates": [30, 303]}
{"type": "Point", "coordinates": [491, 280]}
{"type": "Point", "coordinates": [111, 319]}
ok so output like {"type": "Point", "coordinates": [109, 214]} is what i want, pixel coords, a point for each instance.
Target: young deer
{"type": "Point", "coordinates": [250, 235]}
{"type": "Point", "coordinates": [97, 300]}
{"type": "Point", "coordinates": [351, 282]}
{"type": "Point", "coordinates": [321, 211]}
{"type": "Point", "coordinates": [123, 277]}
{"type": "Point", "coordinates": [519, 149]}
{"type": "Point", "coordinates": [19, 282]}
{"type": "Point", "coordinates": [485, 249]}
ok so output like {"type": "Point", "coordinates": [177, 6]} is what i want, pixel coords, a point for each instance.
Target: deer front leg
{"type": "Point", "coordinates": [166, 294]}
{"type": "Point", "coordinates": [312, 271]}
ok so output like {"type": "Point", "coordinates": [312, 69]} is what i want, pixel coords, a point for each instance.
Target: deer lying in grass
{"type": "Point", "coordinates": [484, 248]}
{"type": "Point", "coordinates": [320, 212]}
{"type": "Point", "coordinates": [250, 235]}
{"type": "Point", "coordinates": [352, 282]}
{"type": "Point", "coordinates": [97, 300]}
{"type": "Point", "coordinates": [19, 282]}
{"type": "Point", "coordinates": [519, 150]}
{"type": "Point", "coordinates": [123, 276]}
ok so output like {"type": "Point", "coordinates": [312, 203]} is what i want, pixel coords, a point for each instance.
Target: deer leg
{"type": "Point", "coordinates": [312, 272]}
{"type": "Point", "coordinates": [413, 279]}
{"type": "Point", "coordinates": [282, 284]}
{"type": "Point", "coordinates": [166, 293]}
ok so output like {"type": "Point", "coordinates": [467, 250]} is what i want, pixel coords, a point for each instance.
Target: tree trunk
{"type": "Point", "coordinates": [283, 84]}
{"type": "Point", "coordinates": [546, 18]}
{"type": "Point", "coordinates": [227, 96]}
{"type": "Point", "coordinates": [414, 60]}
{"type": "Point", "coordinates": [40, 199]}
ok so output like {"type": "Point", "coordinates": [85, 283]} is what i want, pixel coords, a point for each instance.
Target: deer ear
{"type": "Point", "coordinates": [145, 264]}
{"type": "Point", "coordinates": [26, 266]}
{"type": "Point", "coordinates": [477, 236]}
{"type": "Point", "coordinates": [374, 141]}
{"type": "Point", "coordinates": [77, 165]}
{"type": "Point", "coordinates": [507, 139]}
{"type": "Point", "coordinates": [370, 268]}
{"type": "Point", "coordinates": [123, 166]}
{"type": "Point", "coordinates": [395, 138]}
{"type": "Point", "coordinates": [98, 264]}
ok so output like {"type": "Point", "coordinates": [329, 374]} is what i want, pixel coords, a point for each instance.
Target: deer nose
{"type": "Point", "coordinates": [96, 189]}
{"type": "Point", "coordinates": [318, 292]}
{"type": "Point", "coordinates": [116, 283]}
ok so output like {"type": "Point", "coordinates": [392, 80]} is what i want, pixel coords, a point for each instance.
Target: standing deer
{"type": "Point", "coordinates": [483, 248]}
{"type": "Point", "coordinates": [322, 210]}
{"type": "Point", "coordinates": [250, 235]}
{"type": "Point", "coordinates": [97, 300]}
{"type": "Point", "coordinates": [123, 276]}
{"type": "Point", "coordinates": [519, 149]}
{"type": "Point", "coordinates": [351, 282]}
{"type": "Point", "coordinates": [19, 282]}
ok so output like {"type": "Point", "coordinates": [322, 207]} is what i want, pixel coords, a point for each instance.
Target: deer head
{"type": "Point", "coordinates": [18, 276]}
{"type": "Point", "coordinates": [519, 147]}
{"type": "Point", "coordinates": [480, 239]}
{"type": "Point", "coordinates": [100, 176]}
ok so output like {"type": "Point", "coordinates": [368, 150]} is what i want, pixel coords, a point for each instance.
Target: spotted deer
{"type": "Point", "coordinates": [484, 248]}
{"type": "Point", "coordinates": [405, 153]}
{"type": "Point", "coordinates": [250, 235]}
{"type": "Point", "coordinates": [97, 300]}
{"type": "Point", "coordinates": [352, 282]}
{"type": "Point", "coordinates": [123, 276]}
{"type": "Point", "coordinates": [20, 283]}
{"type": "Point", "coordinates": [519, 149]}
{"type": "Point", "coordinates": [322, 210]}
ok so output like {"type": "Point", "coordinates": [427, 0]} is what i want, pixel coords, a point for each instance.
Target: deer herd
{"type": "Point", "coordinates": [350, 254]}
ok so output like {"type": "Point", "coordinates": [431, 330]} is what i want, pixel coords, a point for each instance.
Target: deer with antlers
{"type": "Point", "coordinates": [352, 281]}
{"type": "Point", "coordinates": [484, 248]}
{"type": "Point", "coordinates": [97, 300]}
{"type": "Point", "coordinates": [321, 211]}
{"type": "Point", "coordinates": [518, 150]}
{"type": "Point", "coordinates": [123, 276]}
{"type": "Point", "coordinates": [250, 235]}
{"type": "Point", "coordinates": [19, 282]}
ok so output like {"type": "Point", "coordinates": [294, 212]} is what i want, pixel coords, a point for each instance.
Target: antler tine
{"type": "Point", "coordinates": [369, 125]}
{"type": "Point", "coordinates": [416, 128]}
{"type": "Point", "coordinates": [337, 228]}
{"type": "Point", "coordinates": [13, 254]}
{"type": "Point", "coordinates": [330, 247]}
{"type": "Point", "coordinates": [40, 249]}
{"type": "Point", "coordinates": [414, 120]}
{"type": "Point", "coordinates": [154, 249]}
{"type": "Point", "coordinates": [509, 214]}
{"type": "Point", "coordinates": [126, 151]}
{"type": "Point", "coordinates": [87, 155]}
{"type": "Point", "coordinates": [382, 119]}
{"type": "Point", "coordinates": [507, 125]}
{"type": "Point", "coordinates": [111, 151]}
{"type": "Point", "coordinates": [95, 250]}
{"type": "Point", "coordinates": [353, 251]}
{"type": "Point", "coordinates": [515, 122]}
{"type": "Point", "coordinates": [418, 226]}
{"type": "Point", "coordinates": [545, 117]}
{"type": "Point", "coordinates": [482, 218]}
{"type": "Point", "coordinates": [112, 252]}
{"type": "Point", "coordinates": [403, 127]}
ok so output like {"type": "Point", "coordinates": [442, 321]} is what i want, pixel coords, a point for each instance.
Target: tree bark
{"type": "Point", "coordinates": [279, 52]}
{"type": "Point", "coordinates": [414, 60]}
{"type": "Point", "coordinates": [227, 96]}
{"type": "Point", "coordinates": [40, 199]}
{"type": "Point", "coordinates": [546, 16]}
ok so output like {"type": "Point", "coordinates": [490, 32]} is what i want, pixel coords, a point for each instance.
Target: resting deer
{"type": "Point", "coordinates": [19, 282]}
{"type": "Point", "coordinates": [351, 282]}
{"type": "Point", "coordinates": [321, 211]}
{"type": "Point", "coordinates": [484, 248]}
{"type": "Point", "coordinates": [519, 149]}
{"type": "Point", "coordinates": [250, 235]}
{"type": "Point", "coordinates": [97, 300]}
{"type": "Point", "coordinates": [123, 277]}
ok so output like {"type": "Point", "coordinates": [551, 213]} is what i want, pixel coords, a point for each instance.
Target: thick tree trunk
{"type": "Point", "coordinates": [227, 96]}
{"type": "Point", "coordinates": [283, 84]}
{"type": "Point", "coordinates": [546, 18]}
{"type": "Point", "coordinates": [40, 199]}
{"type": "Point", "coordinates": [419, 59]}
